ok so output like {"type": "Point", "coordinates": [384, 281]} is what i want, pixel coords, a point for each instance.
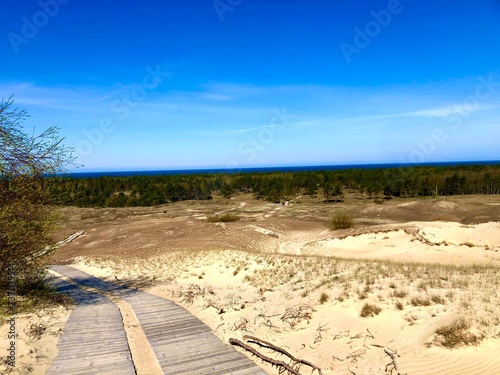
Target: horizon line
{"type": "Point", "coordinates": [247, 168]}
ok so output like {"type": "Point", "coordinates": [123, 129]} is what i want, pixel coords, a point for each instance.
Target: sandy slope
{"type": "Point", "coordinates": [238, 293]}
{"type": "Point", "coordinates": [440, 242]}
{"type": "Point", "coordinates": [295, 283]}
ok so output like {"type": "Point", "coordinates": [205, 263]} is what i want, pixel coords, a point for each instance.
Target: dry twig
{"type": "Point", "coordinates": [279, 364]}
{"type": "Point", "coordinates": [268, 345]}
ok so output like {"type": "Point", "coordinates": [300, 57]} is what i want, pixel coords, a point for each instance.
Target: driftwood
{"type": "Point", "coordinates": [279, 364]}
{"type": "Point", "coordinates": [267, 344]}
{"type": "Point", "coordinates": [392, 354]}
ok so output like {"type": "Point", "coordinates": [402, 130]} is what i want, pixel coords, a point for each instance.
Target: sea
{"type": "Point", "coordinates": [270, 169]}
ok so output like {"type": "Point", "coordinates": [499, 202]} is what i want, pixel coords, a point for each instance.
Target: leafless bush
{"type": "Point", "coordinates": [295, 314]}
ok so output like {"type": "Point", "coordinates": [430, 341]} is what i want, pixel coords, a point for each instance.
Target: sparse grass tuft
{"type": "Point", "coordinates": [369, 310]}
{"type": "Point", "coordinates": [323, 298]}
{"type": "Point", "coordinates": [437, 299]}
{"type": "Point", "coordinates": [226, 218]}
{"type": "Point", "coordinates": [457, 333]}
{"type": "Point", "coordinates": [399, 305]}
{"type": "Point", "coordinates": [342, 220]}
{"type": "Point", "coordinates": [400, 293]}
{"type": "Point", "coordinates": [420, 301]}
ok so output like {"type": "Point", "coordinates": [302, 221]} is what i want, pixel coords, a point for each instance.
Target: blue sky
{"type": "Point", "coordinates": [170, 84]}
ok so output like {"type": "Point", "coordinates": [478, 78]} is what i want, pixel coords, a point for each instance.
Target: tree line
{"type": "Point", "coordinates": [328, 186]}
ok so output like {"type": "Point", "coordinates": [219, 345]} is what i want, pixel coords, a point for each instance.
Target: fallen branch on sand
{"type": "Point", "coordinates": [279, 364]}
{"type": "Point", "coordinates": [297, 362]}
{"type": "Point", "coordinates": [392, 354]}
{"type": "Point", "coordinates": [268, 345]}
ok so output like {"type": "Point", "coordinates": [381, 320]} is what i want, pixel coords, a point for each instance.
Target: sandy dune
{"type": "Point", "coordinates": [238, 293]}
{"type": "Point", "coordinates": [282, 275]}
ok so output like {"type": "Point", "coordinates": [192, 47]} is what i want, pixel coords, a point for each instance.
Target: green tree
{"type": "Point", "coordinates": [26, 218]}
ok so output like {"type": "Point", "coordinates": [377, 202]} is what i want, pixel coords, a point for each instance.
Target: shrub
{"type": "Point", "coordinates": [226, 218]}
{"type": "Point", "coordinates": [419, 301]}
{"type": "Point", "coordinates": [323, 298]}
{"type": "Point", "coordinates": [457, 333]}
{"type": "Point", "coordinates": [436, 298]}
{"type": "Point", "coordinates": [341, 220]}
{"type": "Point", "coordinates": [399, 305]}
{"type": "Point", "coordinates": [370, 310]}
{"type": "Point", "coordinates": [400, 293]}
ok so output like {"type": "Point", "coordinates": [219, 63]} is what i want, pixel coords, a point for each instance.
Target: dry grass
{"type": "Point", "coordinates": [225, 218]}
{"type": "Point", "coordinates": [370, 310]}
{"type": "Point", "coordinates": [420, 301]}
{"type": "Point", "coordinates": [457, 333]}
{"type": "Point", "coordinates": [324, 297]}
{"type": "Point", "coordinates": [468, 244]}
{"type": "Point", "coordinates": [342, 220]}
{"type": "Point", "coordinates": [416, 292]}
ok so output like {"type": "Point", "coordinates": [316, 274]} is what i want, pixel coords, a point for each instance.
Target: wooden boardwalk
{"type": "Point", "coordinates": [182, 343]}
{"type": "Point", "coordinates": [94, 340]}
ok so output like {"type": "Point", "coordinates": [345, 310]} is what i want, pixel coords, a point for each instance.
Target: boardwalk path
{"type": "Point", "coordinates": [94, 340]}
{"type": "Point", "coordinates": [181, 342]}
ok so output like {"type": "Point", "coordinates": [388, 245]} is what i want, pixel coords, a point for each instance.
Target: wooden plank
{"type": "Point", "coordinates": [181, 342]}
{"type": "Point", "coordinates": [94, 340]}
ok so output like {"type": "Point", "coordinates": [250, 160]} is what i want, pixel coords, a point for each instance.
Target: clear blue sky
{"type": "Point", "coordinates": [169, 84]}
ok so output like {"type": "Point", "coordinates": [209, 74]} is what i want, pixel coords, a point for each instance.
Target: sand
{"type": "Point", "coordinates": [277, 297]}
{"type": "Point", "coordinates": [36, 341]}
{"type": "Point", "coordinates": [282, 276]}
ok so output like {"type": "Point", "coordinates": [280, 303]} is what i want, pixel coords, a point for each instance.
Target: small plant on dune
{"type": "Point", "coordinates": [342, 220]}
{"type": "Point", "coordinates": [323, 298]}
{"type": "Point", "coordinates": [420, 301]}
{"type": "Point", "coordinates": [369, 310]}
{"type": "Point", "coordinates": [450, 295]}
{"type": "Point", "coordinates": [399, 305]}
{"type": "Point", "coordinates": [226, 218]}
{"type": "Point", "coordinates": [467, 243]}
{"type": "Point", "coordinates": [411, 318]}
{"type": "Point", "coordinates": [400, 293]}
{"type": "Point", "coordinates": [437, 299]}
{"type": "Point", "coordinates": [362, 294]}
{"type": "Point", "coordinates": [456, 333]}
{"type": "Point", "coordinates": [422, 286]}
